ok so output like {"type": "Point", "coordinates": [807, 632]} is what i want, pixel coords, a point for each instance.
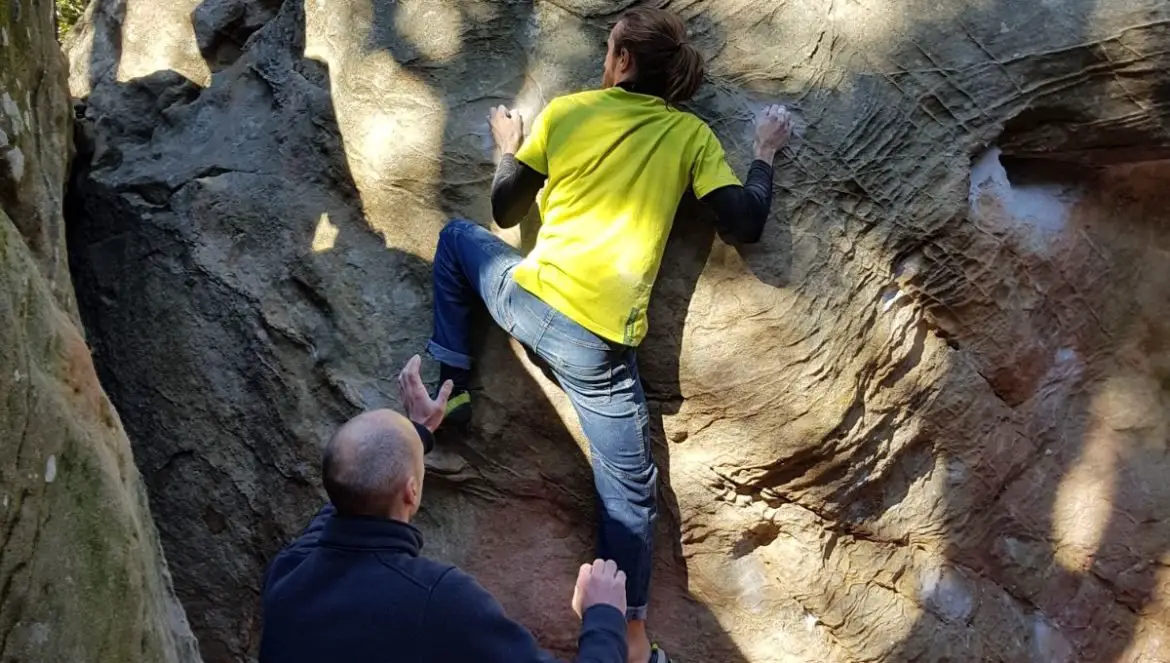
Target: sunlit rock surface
{"type": "Point", "coordinates": [82, 576]}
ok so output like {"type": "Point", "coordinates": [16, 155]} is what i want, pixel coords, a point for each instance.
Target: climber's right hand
{"type": "Point", "coordinates": [772, 132]}
{"type": "Point", "coordinates": [507, 129]}
{"type": "Point", "coordinates": [599, 583]}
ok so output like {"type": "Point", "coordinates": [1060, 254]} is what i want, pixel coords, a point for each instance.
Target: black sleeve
{"type": "Point", "coordinates": [743, 210]}
{"type": "Point", "coordinates": [514, 189]}
{"type": "Point", "coordinates": [463, 622]}
{"type": "Point", "coordinates": [427, 437]}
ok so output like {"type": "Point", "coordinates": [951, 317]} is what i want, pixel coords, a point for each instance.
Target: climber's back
{"type": "Point", "coordinates": [617, 164]}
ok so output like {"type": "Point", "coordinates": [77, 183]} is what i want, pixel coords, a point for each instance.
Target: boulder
{"type": "Point", "coordinates": [924, 419]}
{"type": "Point", "coordinates": [82, 574]}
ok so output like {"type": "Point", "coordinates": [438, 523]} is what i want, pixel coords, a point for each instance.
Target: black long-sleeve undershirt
{"type": "Point", "coordinates": [742, 210]}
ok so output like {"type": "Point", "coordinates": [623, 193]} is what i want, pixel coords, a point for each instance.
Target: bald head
{"type": "Point", "coordinates": [373, 466]}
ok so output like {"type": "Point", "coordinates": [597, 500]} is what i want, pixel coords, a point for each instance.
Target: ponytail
{"type": "Point", "coordinates": [686, 74]}
{"type": "Point", "coordinates": [667, 64]}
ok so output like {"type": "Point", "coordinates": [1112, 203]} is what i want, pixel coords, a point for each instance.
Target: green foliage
{"type": "Point", "coordinates": [68, 12]}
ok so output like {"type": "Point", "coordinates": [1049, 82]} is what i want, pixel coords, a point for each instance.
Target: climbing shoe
{"type": "Point", "coordinates": [458, 407]}
{"type": "Point", "coordinates": [658, 656]}
{"type": "Point", "coordinates": [459, 404]}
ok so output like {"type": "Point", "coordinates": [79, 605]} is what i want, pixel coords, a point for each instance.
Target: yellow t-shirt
{"type": "Point", "coordinates": [618, 164]}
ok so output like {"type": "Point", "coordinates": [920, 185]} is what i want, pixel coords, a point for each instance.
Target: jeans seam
{"type": "Point", "coordinates": [506, 312]}
{"type": "Point", "coordinates": [579, 343]}
{"type": "Point", "coordinates": [583, 344]}
{"type": "Point", "coordinates": [611, 468]}
{"type": "Point", "coordinates": [641, 411]}
{"type": "Point", "coordinates": [544, 325]}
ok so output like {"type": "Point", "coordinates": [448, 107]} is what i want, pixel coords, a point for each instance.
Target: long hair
{"type": "Point", "coordinates": [668, 65]}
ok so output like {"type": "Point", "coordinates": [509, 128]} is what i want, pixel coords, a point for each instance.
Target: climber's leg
{"type": "Point", "coordinates": [471, 266]}
{"type": "Point", "coordinates": [601, 379]}
{"type": "Point", "coordinates": [625, 476]}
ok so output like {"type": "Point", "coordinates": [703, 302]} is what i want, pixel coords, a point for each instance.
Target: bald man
{"type": "Point", "coordinates": [354, 587]}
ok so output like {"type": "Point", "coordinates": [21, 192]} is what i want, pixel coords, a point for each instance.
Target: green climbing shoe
{"type": "Point", "coordinates": [458, 408]}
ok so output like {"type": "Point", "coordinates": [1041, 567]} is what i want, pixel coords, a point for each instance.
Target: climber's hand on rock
{"type": "Point", "coordinates": [507, 129]}
{"type": "Point", "coordinates": [599, 583]}
{"type": "Point", "coordinates": [420, 407]}
{"type": "Point", "coordinates": [772, 132]}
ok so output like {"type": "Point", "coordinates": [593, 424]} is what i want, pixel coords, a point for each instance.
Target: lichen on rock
{"type": "Point", "coordinates": [873, 426]}
{"type": "Point", "coordinates": [82, 574]}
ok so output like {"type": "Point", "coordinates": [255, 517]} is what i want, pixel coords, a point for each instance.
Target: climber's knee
{"type": "Point", "coordinates": [454, 228]}
{"type": "Point", "coordinates": [632, 489]}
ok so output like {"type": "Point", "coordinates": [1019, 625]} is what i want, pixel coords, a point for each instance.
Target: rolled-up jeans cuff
{"type": "Point", "coordinates": [448, 357]}
{"type": "Point", "coordinates": [637, 613]}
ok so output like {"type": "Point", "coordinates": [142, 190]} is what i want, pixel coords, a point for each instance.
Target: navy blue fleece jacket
{"type": "Point", "coordinates": [356, 590]}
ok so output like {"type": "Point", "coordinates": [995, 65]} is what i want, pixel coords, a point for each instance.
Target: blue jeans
{"type": "Point", "coordinates": [600, 378]}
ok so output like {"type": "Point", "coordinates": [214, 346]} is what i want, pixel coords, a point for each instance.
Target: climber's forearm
{"type": "Point", "coordinates": [743, 210]}
{"type": "Point", "coordinates": [514, 189]}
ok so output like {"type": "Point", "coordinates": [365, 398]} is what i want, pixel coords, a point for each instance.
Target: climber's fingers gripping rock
{"type": "Point", "coordinates": [507, 129]}
{"type": "Point", "coordinates": [773, 129]}
{"type": "Point", "coordinates": [419, 405]}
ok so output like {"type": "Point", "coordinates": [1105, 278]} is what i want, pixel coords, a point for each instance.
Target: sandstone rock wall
{"type": "Point", "coordinates": [82, 576]}
{"type": "Point", "coordinates": [924, 419]}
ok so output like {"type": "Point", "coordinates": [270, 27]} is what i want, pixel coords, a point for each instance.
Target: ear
{"type": "Point", "coordinates": [412, 493]}
{"type": "Point", "coordinates": [625, 61]}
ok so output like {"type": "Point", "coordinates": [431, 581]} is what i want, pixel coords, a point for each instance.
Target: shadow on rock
{"type": "Point", "coordinates": [525, 426]}
{"type": "Point", "coordinates": [242, 303]}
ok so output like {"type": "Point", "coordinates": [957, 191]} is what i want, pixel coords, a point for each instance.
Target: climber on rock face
{"type": "Point", "coordinates": [614, 165]}
{"type": "Point", "coordinates": [353, 587]}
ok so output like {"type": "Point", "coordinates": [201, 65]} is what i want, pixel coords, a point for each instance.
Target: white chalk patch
{"type": "Point", "coordinates": [51, 468]}
{"type": "Point", "coordinates": [1044, 207]}
{"type": "Point", "coordinates": [1033, 214]}
{"type": "Point", "coordinates": [15, 163]}
{"type": "Point", "coordinates": [1048, 644]}
{"type": "Point", "coordinates": [5, 501]}
{"type": "Point", "coordinates": [39, 633]}
{"type": "Point", "coordinates": [889, 299]}
{"type": "Point", "coordinates": [810, 622]}
{"type": "Point", "coordinates": [942, 588]}
{"type": "Point", "coordinates": [1065, 370]}
{"type": "Point", "coordinates": [750, 581]}
{"type": "Point", "coordinates": [956, 471]}
{"type": "Point", "coordinates": [4, 36]}
{"type": "Point", "coordinates": [908, 267]}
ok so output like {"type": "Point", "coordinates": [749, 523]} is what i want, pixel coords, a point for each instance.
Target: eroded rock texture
{"type": "Point", "coordinates": [925, 419]}
{"type": "Point", "coordinates": [82, 576]}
